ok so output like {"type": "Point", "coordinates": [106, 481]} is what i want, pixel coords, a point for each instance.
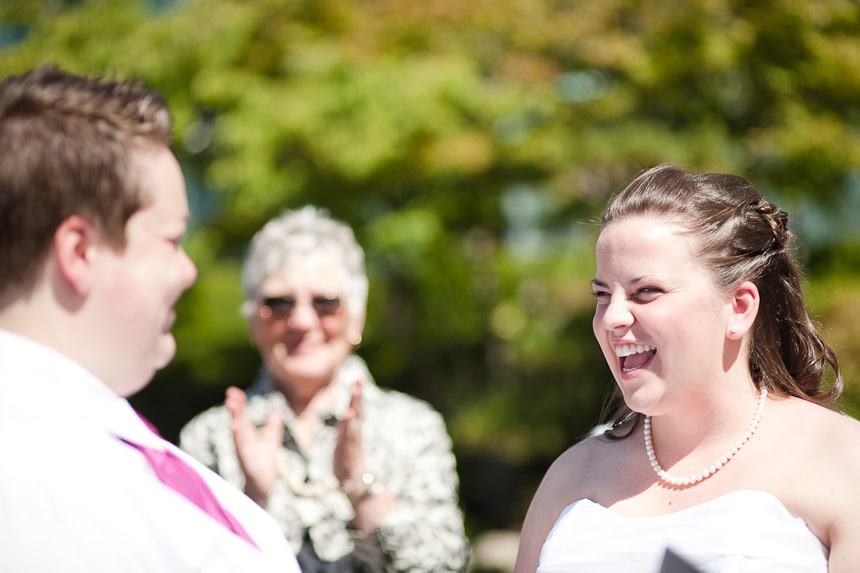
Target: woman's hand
{"type": "Point", "coordinates": [257, 450]}
{"type": "Point", "coordinates": [371, 504]}
{"type": "Point", "coordinates": [349, 459]}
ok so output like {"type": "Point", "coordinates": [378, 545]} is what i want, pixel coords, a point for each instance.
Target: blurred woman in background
{"type": "Point", "coordinates": [359, 478]}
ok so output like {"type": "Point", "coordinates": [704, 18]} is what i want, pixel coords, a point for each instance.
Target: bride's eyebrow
{"type": "Point", "coordinates": [633, 282]}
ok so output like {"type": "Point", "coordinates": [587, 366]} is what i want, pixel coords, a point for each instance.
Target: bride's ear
{"type": "Point", "coordinates": [745, 303]}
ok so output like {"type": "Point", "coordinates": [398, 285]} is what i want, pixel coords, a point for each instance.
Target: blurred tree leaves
{"type": "Point", "coordinates": [470, 144]}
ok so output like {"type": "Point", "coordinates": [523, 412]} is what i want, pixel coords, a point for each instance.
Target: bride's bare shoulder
{"type": "Point", "coordinates": [817, 422]}
{"type": "Point", "coordinates": [577, 466]}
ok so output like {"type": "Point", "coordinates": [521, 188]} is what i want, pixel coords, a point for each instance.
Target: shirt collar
{"type": "Point", "coordinates": [73, 391]}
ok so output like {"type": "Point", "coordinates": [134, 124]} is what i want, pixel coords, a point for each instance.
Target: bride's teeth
{"type": "Point", "coordinates": [627, 349]}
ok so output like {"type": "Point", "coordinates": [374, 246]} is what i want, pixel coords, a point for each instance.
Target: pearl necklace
{"type": "Point", "coordinates": [694, 479]}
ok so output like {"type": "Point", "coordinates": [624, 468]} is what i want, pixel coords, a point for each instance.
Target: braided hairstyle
{"type": "Point", "coordinates": [741, 237]}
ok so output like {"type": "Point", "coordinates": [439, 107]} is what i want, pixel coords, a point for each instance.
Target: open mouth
{"type": "Point", "coordinates": [633, 356]}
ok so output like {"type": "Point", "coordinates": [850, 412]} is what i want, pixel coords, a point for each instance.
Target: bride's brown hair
{"type": "Point", "coordinates": [741, 237]}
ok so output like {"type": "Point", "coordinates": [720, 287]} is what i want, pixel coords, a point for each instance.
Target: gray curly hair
{"type": "Point", "coordinates": [296, 234]}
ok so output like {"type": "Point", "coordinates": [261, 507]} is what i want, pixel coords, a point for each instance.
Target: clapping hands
{"type": "Point", "coordinates": [257, 450]}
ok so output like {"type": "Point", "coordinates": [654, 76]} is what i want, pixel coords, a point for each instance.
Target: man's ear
{"type": "Point", "coordinates": [745, 303]}
{"type": "Point", "coordinates": [74, 249]}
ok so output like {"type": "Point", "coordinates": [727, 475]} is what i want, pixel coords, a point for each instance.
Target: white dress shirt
{"type": "Point", "coordinates": [75, 498]}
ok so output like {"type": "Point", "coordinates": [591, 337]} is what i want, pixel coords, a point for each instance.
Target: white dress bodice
{"type": "Point", "coordinates": [744, 531]}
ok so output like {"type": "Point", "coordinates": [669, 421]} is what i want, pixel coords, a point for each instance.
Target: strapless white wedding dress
{"type": "Point", "coordinates": [741, 532]}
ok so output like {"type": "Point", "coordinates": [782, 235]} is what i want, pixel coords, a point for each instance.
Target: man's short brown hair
{"type": "Point", "coordinates": [65, 147]}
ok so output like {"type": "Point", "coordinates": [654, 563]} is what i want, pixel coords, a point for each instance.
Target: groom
{"type": "Point", "coordinates": [92, 211]}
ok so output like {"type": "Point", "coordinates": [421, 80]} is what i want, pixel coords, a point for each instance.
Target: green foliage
{"type": "Point", "coordinates": [469, 143]}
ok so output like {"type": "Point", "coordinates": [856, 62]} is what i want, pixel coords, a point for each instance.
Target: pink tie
{"type": "Point", "coordinates": [177, 474]}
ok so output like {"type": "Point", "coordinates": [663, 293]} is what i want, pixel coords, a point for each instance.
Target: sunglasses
{"type": "Point", "coordinates": [283, 306]}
